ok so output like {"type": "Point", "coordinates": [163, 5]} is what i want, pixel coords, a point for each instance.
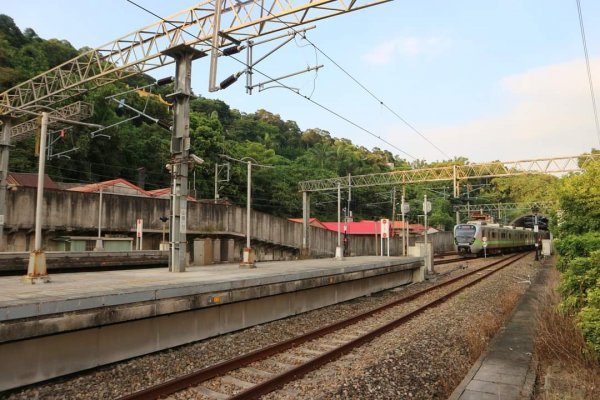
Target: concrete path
{"type": "Point", "coordinates": [505, 370]}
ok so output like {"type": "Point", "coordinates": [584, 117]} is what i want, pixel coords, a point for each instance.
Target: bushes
{"type": "Point", "coordinates": [580, 283]}
{"type": "Point", "coordinates": [573, 246]}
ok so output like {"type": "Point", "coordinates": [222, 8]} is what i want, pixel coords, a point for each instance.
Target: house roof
{"type": "Point", "coordinates": [311, 221]}
{"type": "Point", "coordinates": [364, 227]}
{"type": "Point", "coordinates": [119, 186]}
{"type": "Point", "coordinates": [30, 180]}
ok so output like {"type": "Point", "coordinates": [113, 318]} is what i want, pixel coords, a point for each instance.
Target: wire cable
{"type": "Point", "coordinates": [303, 35]}
{"type": "Point", "coordinates": [589, 72]}
{"type": "Point", "coordinates": [280, 83]}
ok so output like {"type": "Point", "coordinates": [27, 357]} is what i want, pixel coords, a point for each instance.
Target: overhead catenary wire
{"type": "Point", "coordinates": [589, 72]}
{"type": "Point", "coordinates": [303, 35]}
{"type": "Point", "coordinates": [283, 85]}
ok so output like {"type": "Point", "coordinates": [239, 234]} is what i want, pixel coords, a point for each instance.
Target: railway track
{"type": "Point", "coordinates": [262, 371]}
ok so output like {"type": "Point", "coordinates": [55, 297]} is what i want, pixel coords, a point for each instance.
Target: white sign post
{"type": "Point", "coordinates": [139, 225]}
{"type": "Point", "coordinates": [385, 234]}
{"type": "Point", "coordinates": [484, 244]}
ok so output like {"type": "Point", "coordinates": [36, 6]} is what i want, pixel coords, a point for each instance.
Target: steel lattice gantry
{"type": "Point", "coordinates": [189, 34]}
{"type": "Point", "coordinates": [144, 50]}
{"type": "Point", "coordinates": [75, 112]}
{"type": "Point", "coordinates": [454, 173]}
{"type": "Point", "coordinates": [496, 207]}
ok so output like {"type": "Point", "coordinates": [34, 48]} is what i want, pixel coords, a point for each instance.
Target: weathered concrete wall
{"type": "Point", "coordinates": [73, 213]}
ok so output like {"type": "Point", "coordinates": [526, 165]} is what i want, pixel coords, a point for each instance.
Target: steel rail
{"type": "Point", "coordinates": [202, 375]}
{"type": "Point", "coordinates": [297, 372]}
{"type": "Point", "coordinates": [451, 260]}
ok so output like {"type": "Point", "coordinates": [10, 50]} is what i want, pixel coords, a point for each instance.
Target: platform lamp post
{"type": "Point", "coordinates": [163, 244]}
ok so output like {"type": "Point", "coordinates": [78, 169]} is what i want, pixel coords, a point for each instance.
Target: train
{"type": "Point", "coordinates": [476, 237]}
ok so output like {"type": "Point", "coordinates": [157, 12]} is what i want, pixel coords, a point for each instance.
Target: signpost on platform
{"type": "Point", "coordinates": [484, 244]}
{"type": "Point", "coordinates": [385, 234]}
{"type": "Point", "coordinates": [139, 226]}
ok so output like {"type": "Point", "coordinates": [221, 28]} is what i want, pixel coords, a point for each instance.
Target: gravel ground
{"type": "Point", "coordinates": [423, 359]}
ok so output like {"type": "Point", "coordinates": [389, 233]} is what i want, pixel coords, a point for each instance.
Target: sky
{"type": "Point", "coordinates": [487, 80]}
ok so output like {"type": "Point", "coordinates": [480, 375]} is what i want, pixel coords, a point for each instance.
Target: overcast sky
{"type": "Point", "coordinates": [488, 80]}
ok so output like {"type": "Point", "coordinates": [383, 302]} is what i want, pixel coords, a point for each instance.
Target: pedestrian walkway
{"type": "Point", "coordinates": [505, 370]}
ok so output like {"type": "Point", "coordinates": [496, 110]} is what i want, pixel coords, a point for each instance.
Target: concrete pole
{"type": "Point", "coordinates": [4, 156]}
{"type": "Point", "coordinates": [180, 147]}
{"type": "Point", "coordinates": [36, 271]}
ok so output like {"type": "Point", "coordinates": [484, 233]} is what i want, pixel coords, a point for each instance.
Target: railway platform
{"type": "Point", "coordinates": [84, 320]}
{"type": "Point", "coordinates": [505, 371]}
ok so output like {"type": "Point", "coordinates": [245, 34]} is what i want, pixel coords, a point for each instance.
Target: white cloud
{"type": "Point", "coordinates": [411, 47]}
{"type": "Point", "coordinates": [551, 115]}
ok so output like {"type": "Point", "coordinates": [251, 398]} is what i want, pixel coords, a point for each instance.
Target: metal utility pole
{"type": "Point", "coordinates": [338, 249]}
{"type": "Point", "coordinates": [216, 182]}
{"type": "Point", "coordinates": [402, 209]}
{"type": "Point", "coordinates": [36, 270]}
{"type": "Point", "coordinates": [305, 250]}
{"type": "Point", "coordinates": [393, 208]}
{"type": "Point", "coordinates": [248, 257]}
{"type": "Point", "coordinates": [180, 148]}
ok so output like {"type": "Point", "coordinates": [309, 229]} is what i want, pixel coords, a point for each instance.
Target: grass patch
{"type": "Point", "coordinates": [566, 367]}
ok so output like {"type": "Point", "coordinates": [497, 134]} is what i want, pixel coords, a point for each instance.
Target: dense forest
{"type": "Point", "coordinates": [140, 147]}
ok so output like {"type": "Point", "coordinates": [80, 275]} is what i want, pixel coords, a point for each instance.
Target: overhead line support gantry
{"type": "Point", "coordinates": [454, 173]}
{"type": "Point", "coordinates": [183, 36]}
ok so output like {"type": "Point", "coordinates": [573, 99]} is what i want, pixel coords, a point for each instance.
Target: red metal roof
{"type": "Point", "coordinates": [312, 222]}
{"type": "Point", "coordinates": [364, 227]}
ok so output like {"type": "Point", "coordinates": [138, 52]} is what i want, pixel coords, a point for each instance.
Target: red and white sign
{"type": "Point", "coordinates": [385, 227]}
{"type": "Point", "coordinates": [139, 224]}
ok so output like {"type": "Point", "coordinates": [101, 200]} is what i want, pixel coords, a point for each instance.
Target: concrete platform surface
{"type": "Point", "coordinates": [505, 371]}
{"type": "Point", "coordinates": [85, 290]}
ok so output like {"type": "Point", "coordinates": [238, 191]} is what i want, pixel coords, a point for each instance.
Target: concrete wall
{"type": "Point", "coordinates": [69, 213]}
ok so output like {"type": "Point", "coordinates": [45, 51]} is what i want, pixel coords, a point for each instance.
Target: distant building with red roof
{"type": "Point", "coordinates": [29, 180]}
{"type": "Point", "coordinates": [124, 187]}
{"type": "Point", "coordinates": [364, 227]}
{"type": "Point", "coordinates": [311, 221]}
{"type": "Point", "coordinates": [114, 186]}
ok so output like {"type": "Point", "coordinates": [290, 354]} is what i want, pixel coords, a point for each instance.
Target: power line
{"type": "Point", "coordinates": [589, 72]}
{"type": "Point", "coordinates": [303, 35]}
{"type": "Point", "coordinates": [279, 82]}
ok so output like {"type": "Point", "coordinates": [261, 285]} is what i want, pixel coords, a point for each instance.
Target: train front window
{"type": "Point", "coordinates": [465, 231]}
